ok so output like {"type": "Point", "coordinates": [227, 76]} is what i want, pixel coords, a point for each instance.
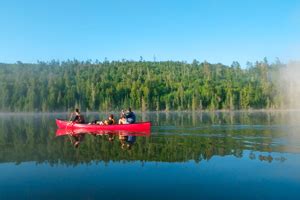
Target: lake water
{"type": "Point", "coordinates": [228, 155]}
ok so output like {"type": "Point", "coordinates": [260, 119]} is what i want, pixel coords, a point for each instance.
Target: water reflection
{"type": "Point", "coordinates": [126, 138]}
{"type": "Point", "coordinates": [266, 158]}
{"type": "Point", "coordinates": [187, 155]}
{"type": "Point", "coordinates": [175, 137]}
{"type": "Point", "coordinates": [76, 139]}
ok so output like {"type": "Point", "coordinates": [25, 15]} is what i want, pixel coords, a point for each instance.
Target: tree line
{"type": "Point", "coordinates": [142, 85]}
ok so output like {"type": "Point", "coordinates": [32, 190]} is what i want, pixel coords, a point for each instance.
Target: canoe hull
{"type": "Point", "coordinates": [136, 127]}
{"type": "Point", "coordinates": [63, 132]}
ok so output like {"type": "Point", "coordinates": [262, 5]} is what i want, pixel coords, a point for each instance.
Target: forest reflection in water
{"type": "Point", "coordinates": [175, 137]}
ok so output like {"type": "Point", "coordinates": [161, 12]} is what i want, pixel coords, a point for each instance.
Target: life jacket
{"type": "Point", "coordinates": [79, 119]}
{"type": "Point", "coordinates": [130, 117]}
{"type": "Point", "coordinates": [110, 121]}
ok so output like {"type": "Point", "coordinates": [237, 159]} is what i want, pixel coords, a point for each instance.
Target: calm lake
{"type": "Point", "coordinates": [217, 155]}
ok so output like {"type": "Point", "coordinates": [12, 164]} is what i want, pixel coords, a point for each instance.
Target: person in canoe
{"type": "Point", "coordinates": [109, 121]}
{"type": "Point", "coordinates": [122, 119]}
{"type": "Point", "coordinates": [78, 117]}
{"type": "Point", "coordinates": [130, 116]}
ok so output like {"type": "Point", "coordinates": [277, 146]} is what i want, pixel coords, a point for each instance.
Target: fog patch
{"type": "Point", "coordinates": [290, 85]}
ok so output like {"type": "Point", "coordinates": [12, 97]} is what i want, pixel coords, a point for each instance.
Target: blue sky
{"type": "Point", "coordinates": [213, 30]}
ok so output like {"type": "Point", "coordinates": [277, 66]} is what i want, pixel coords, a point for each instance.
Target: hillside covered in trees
{"type": "Point", "coordinates": [143, 85]}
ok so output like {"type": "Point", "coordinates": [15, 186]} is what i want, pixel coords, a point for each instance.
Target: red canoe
{"type": "Point", "coordinates": [136, 127]}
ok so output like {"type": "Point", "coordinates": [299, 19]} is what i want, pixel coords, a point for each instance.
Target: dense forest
{"type": "Point", "coordinates": [143, 85]}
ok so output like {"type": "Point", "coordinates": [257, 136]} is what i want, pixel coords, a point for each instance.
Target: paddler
{"type": "Point", "coordinates": [78, 117]}
{"type": "Point", "coordinates": [130, 116]}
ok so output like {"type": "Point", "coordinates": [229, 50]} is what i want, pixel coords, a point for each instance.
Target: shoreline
{"type": "Point", "coordinates": [141, 112]}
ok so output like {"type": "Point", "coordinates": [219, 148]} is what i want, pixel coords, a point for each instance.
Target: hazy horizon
{"type": "Point", "coordinates": [95, 61]}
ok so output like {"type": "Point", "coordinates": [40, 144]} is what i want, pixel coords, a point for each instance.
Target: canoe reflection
{"type": "Point", "coordinates": [127, 139]}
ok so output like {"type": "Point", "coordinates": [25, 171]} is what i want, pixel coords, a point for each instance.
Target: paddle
{"type": "Point", "coordinates": [71, 115]}
{"type": "Point", "coordinates": [70, 122]}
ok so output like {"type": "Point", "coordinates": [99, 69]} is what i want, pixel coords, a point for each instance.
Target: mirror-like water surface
{"type": "Point", "coordinates": [188, 155]}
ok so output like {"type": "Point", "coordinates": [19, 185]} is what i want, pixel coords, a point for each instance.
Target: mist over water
{"type": "Point", "coordinates": [289, 84]}
{"type": "Point", "coordinates": [289, 88]}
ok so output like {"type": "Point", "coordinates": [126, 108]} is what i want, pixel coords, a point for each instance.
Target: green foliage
{"type": "Point", "coordinates": [60, 86]}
